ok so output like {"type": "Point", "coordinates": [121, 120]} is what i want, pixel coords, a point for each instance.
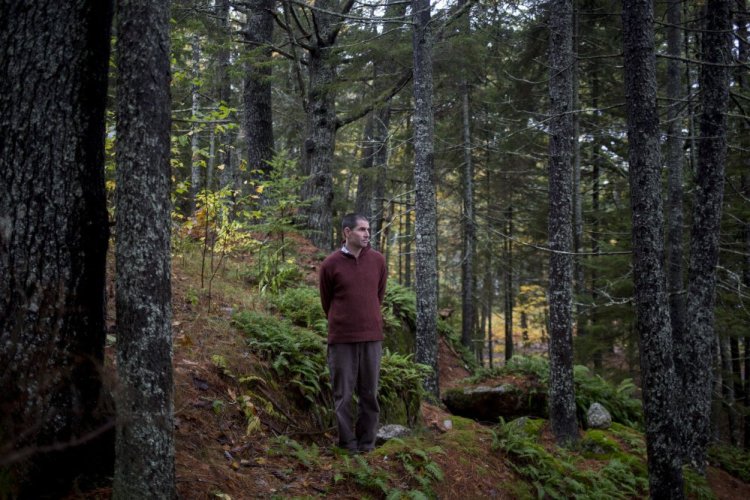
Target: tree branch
{"type": "Point", "coordinates": [382, 99]}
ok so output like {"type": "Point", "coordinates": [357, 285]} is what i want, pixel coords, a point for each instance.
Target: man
{"type": "Point", "coordinates": [352, 287]}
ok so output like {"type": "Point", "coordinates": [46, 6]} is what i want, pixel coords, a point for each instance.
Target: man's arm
{"type": "Point", "coordinates": [324, 285]}
{"type": "Point", "coordinates": [382, 282]}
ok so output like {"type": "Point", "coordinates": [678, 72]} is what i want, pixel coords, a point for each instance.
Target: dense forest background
{"type": "Point", "coordinates": [550, 177]}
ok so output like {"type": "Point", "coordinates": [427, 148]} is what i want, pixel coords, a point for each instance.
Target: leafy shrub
{"type": "Point", "coordinates": [618, 400]}
{"type": "Point", "coordinates": [297, 357]}
{"type": "Point", "coordinates": [401, 385]}
{"type": "Point", "coordinates": [402, 302]}
{"type": "Point", "coordinates": [301, 306]}
{"type": "Point", "coordinates": [400, 308]}
{"type": "Point", "coordinates": [272, 271]}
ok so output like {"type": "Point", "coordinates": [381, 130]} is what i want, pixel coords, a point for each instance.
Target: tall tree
{"type": "Point", "coordinates": [651, 301]}
{"type": "Point", "coordinates": [223, 84]}
{"type": "Point", "coordinates": [53, 238]}
{"type": "Point", "coordinates": [508, 300]}
{"type": "Point", "coordinates": [562, 406]}
{"type": "Point", "coordinates": [425, 227]}
{"type": "Point", "coordinates": [372, 179]}
{"type": "Point", "coordinates": [258, 116]}
{"type": "Point", "coordinates": [320, 108]}
{"type": "Point", "coordinates": [674, 163]}
{"type": "Point", "coordinates": [145, 413]}
{"type": "Point", "coordinates": [468, 307]}
{"type": "Point", "coordinates": [704, 237]}
{"type": "Point", "coordinates": [743, 82]}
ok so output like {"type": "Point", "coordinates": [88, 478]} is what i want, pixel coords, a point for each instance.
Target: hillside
{"type": "Point", "coordinates": [240, 433]}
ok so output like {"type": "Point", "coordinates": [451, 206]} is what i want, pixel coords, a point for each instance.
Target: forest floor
{"type": "Point", "coordinates": [219, 456]}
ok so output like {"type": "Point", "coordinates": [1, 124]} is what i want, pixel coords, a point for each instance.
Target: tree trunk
{"type": "Point", "coordinates": [366, 182]}
{"type": "Point", "coordinates": [489, 278]}
{"type": "Point", "coordinates": [468, 308]}
{"type": "Point", "coordinates": [651, 300]}
{"type": "Point", "coordinates": [320, 130]}
{"type": "Point", "coordinates": [381, 145]}
{"type": "Point", "coordinates": [736, 381]}
{"type": "Point", "coordinates": [674, 163]}
{"type": "Point", "coordinates": [704, 237]}
{"type": "Point", "coordinates": [426, 204]}
{"type": "Point", "coordinates": [746, 397]}
{"type": "Point", "coordinates": [53, 242]}
{"type": "Point", "coordinates": [727, 390]}
{"type": "Point", "coordinates": [743, 82]}
{"type": "Point", "coordinates": [508, 283]}
{"type": "Point", "coordinates": [228, 175]}
{"type": "Point", "coordinates": [197, 166]}
{"type": "Point", "coordinates": [578, 268]}
{"type": "Point", "coordinates": [562, 407]}
{"type": "Point", "coordinates": [258, 117]}
{"type": "Point", "coordinates": [408, 242]}
{"type": "Point", "coordinates": [145, 414]}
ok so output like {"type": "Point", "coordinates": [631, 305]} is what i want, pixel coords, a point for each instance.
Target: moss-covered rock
{"type": "Point", "coordinates": [490, 403]}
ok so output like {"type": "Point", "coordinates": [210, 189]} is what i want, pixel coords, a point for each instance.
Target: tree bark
{"type": "Point", "coordinates": [425, 230]}
{"type": "Point", "coordinates": [197, 167]}
{"type": "Point", "coordinates": [704, 237]}
{"type": "Point", "coordinates": [489, 276]}
{"type": "Point", "coordinates": [258, 116]}
{"type": "Point", "coordinates": [408, 245]}
{"type": "Point", "coordinates": [366, 182]}
{"type": "Point", "coordinates": [228, 174]}
{"type": "Point", "coordinates": [651, 300]}
{"type": "Point", "coordinates": [579, 277]}
{"type": "Point", "coordinates": [468, 307]}
{"type": "Point", "coordinates": [727, 390]}
{"type": "Point", "coordinates": [674, 163]}
{"type": "Point", "coordinates": [380, 166]}
{"type": "Point", "coordinates": [744, 84]}
{"type": "Point", "coordinates": [53, 241]}
{"type": "Point", "coordinates": [508, 283]}
{"type": "Point", "coordinates": [372, 179]}
{"type": "Point", "coordinates": [320, 130]}
{"type": "Point", "coordinates": [562, 407]}
{"type": "Point", "coordinates": [145, 413]}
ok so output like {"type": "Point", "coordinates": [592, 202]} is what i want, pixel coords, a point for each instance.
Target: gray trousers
{"type": "Point", "coordinates": [355, 369]}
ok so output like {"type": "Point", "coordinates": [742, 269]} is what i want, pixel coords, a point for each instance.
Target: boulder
{"type": "Point", "coordinates": [598, 417]}
{"type": "Point", "coordinates": [391, 431]}
{"type": "Point", "coordinates": [489, 403]}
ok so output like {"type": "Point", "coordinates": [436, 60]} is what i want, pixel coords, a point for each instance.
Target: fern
{"type": "Point", "coordinates": [589, 388]}
{"type": "Point", "coordinates": [559, 476]}
{"type": "Point", "coordinates": [301, 306]}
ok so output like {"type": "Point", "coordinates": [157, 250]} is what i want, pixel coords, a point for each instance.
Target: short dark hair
{"type": "Point", "coordinates": [350, 220]}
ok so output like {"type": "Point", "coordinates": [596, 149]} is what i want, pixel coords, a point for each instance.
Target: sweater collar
{"type": "Point", "coordinates": [348, 253]}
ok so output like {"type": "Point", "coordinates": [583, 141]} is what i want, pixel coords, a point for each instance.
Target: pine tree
{"type": "Point", "coordinates": [145, 409]}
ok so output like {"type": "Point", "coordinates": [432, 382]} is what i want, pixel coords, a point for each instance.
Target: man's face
{"type": "Point", "coordinates": [359, 236]}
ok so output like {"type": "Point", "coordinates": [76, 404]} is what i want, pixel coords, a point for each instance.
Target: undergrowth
{"type": "Point", "coordinates": [415, 479]}
{"type": "Point", "coordinates": [297, 357]}
{"type": "Point", "coordinates": [732, 459]}
{"type": "Point", "coordinates": [406, 472]}
{"type": "Point", "coordinates": [589, 388]}
{"type": "Point", "coordinates": [561, 474]}
{"type": "Point", "coordinates": [301, 305]}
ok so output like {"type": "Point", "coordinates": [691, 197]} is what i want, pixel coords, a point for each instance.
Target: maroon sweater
{"type": "Point", "coordinates": [351, 292]}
